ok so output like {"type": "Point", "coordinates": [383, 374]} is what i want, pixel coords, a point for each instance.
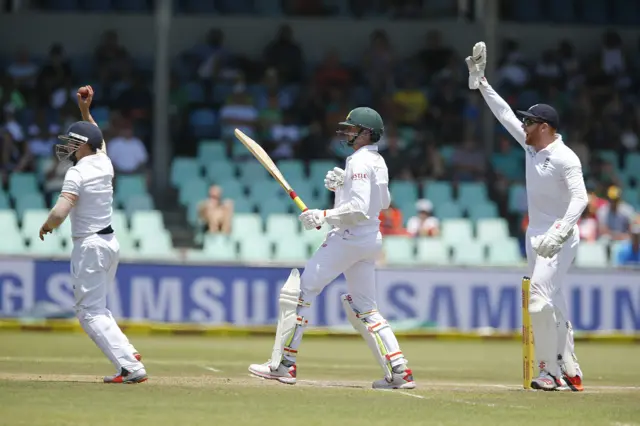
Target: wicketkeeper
{"type": "Point", "coordinates": [556, 197]}
{"type": "Point", "coordinates": [351, 247]}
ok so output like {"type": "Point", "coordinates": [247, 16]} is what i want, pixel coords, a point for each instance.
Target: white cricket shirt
{"type": "Point", "coordinates": [554, 179]}
{"type": "Point", "coordinates": [91, 180]}
{"type": "Point", "coordinates": [365, 191]}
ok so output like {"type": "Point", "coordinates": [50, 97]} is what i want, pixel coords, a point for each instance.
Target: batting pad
{"type": "Point", "coordinates": [288, 318]}
{"type": "Point", "coordinates": [377, 333]}
{"type": "Point", "coordinates": [545, 334]}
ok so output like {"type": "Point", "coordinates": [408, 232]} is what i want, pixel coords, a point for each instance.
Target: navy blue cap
{"type": "Point", "coordinates": [84, 132]}
{"type": "Point", "coordinates": [543, 113]}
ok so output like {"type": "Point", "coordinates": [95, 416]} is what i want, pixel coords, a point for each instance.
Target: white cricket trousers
{"type": "Point", "coordinates": [353, 253]}
{"type": "Point", "coordinates": [553, 334]}
{"type": "Point", "coordinates": [94, 261]}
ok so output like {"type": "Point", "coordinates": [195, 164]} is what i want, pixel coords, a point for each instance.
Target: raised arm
{"type": "Point", "coordinates": [85, 96]}
{"type": "Point", "coordinates": [499, 107]}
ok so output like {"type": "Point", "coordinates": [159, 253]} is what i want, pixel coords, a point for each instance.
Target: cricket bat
{"type": "Point", "coordinates": [271, 167]}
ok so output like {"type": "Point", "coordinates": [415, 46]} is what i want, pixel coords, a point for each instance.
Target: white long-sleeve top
{"type": "Point", "coordinates": [554, 180]}
{"type": "Point", "coordinates": [364, 193]}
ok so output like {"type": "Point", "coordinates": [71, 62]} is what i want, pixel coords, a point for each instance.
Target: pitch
{"type": "Point", "coordinates": [54, 379]}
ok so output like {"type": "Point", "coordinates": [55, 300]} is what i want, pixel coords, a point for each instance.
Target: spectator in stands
{"type": "Point", "coordinates": [379, 62]}
{"type": "Point", "coordinates": [239, 112]}
{"type": "Point", "coordinates": [424, 224]}
{"type": "Point", "coordinates": [53, 74]}
{"type": "Point", "coordinates": [214, 60]}
{"type": "Point", "coordinates": [54, 172]}
{"type": "Point", "coordinates": [136, 101]}
{"type": "Point", "coordinates": [615, 218]}
{"type": "Point", "coordinates": [111, 59]}
{"type": "Point", "coordinates": [468, 162]}
{"type": "Point", "coordinates": [41, 141]}
{"type": "Point", "coordinates": [629, 254]}
{"type": "Point", "coordinates": [391, 221]}
{"type": "Point", "coordinates": [285, 137]}
{"type": "Point", "coordinates": [216, 213]}
{"type": "Point", "coordinates": [10, 96]}
{"type": "Point", "coordinates": [447, 108]}
{"type": "Point", "coordinates": [411, 102]}
{"type": "Point", "coordinates": [393, 154]}
{"type": "Point", "coordinates": [23, 70]}
{"type": "Point", "coordinates": [63, 94]}
{"type": "Point", "coordinates": [331, 73]}
{"type": "Point", "coordinates": [547, 71]}
{"type": "Point", "coordinates": [434, 56]}
{"type": "Point", "coordinates": [588, 223]}
{"type": "Point", "coordinates": [570, 66]}
{"type": "Point", "coordinates": [314, 146]}
{"type": "Point", "coordinates": [12, 155]}
{"type": "Point", "coordinates": [613, 58]}
{"type": "Point", "coordinates": [285, 55]}
{"type": "Point", "coordinates": [127, 152]}
{"type": "Point", "coordinates": [629, 134]}
{"type": "Point", "coordinates": [430, 164]}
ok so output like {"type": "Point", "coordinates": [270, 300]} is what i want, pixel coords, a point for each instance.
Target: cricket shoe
{"type": "Point", "coordinates": [573, 384]}
{"type": "Point", "coordinates": [127, 377]}
{"type": "Point", "coordinates": [546, 382]}
{"type": "Point", "coordinates": [137, 356]}
{"type": "Point", "coordinates": [401, 378]}
{"type": "Point", "coordinates": [283, 374]}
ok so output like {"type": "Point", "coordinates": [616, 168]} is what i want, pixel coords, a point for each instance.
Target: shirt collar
{"type": "Point", "coordinates": [371, 147]}
{"type": "Point", "coordinates": [553, 145]}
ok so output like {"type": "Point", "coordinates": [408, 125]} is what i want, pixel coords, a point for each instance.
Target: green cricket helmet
{"type": "Point", "coordinates": [363, 118]}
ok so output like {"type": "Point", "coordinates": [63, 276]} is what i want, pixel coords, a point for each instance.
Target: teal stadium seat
{"type": "Point", "coordinates": [504, 252]}
{"type": "Point", "coordinates": [403, 192]}
{"type": "Point", "coordinates": [252, 172]}
{"type": "Point", "coordinates": [29, 201]}
{"type": "Point", "coordinates": [447, 210]}
{"type": "Point", "coordinates": [9, 220]}
{"type": "Point", "coordinates": [437, 192]}
{"type": "Point", "coordinates": [632, 163]}
{"type": "Point", "coordinates": [399, 250]}
{"type": "Point", "coordinates": [271, 206]}
{"type": "Point", "coordinates": [12, 243]}
{"type": "Point", "coordinates": [146, 223]}
{"type": "Point", "coordinates": [592, 255]}
{"type": "Point", "coordinates": [211, 150]}
{"type": "Point", "coordinates": [246, 225]}
{"type": "Point", "coordinates": [609, 156]}
{"type": "Point", "coordinates": [318, 169]}
{"type": "Point", "coordinates": [468, 253]}
{"type": "Point", "coordinates": [157, 245]}
{"type": "Point", "coordinates": [196, 191]}
{"type": "Point", "coordinates": [457, 231]}
{"type": "Point", "coordinates": [432, 251]}
{"type": "Point", "coordinates": [138, 202]}
{"type": "Point", "coordinates": [255, 248]}
{"type": "Point", "coordinates": [128, 248]}
{"type": "Point", "coordinates": [484, 210]}
{"type": "Point", "coordinates": [184, 170]}
{"type": "Point", "coordinates": [292, 170]}
{"type": "Point", "coordinates": [472, 193]}
{"type": "Point", "coordinates": [279, 225]}
{"type": "Point", "coordinates": [489, 230]}
{"type": "Point", "coordinates": [219, 248]}
{"type": "Point", "coordinates": [263, 190]}
{"type": "Point", "coordinates": [32, 220]}
{"type": "Point", "coordinates": [290, 248]}
{"type": "Point", "coordinates": [4, 200]}
{"type": "Point", "coordinates": [220, 171]}
{"type": "Point", "coordinates": [129, 185]}
{"type": "Point", "coordinates": [51, 246]}
{"type": "Point", "coordinates": [119, 222]}
{"type": "Point", "coordinates": [517, 202]}
{"type": "Point", "coordinates": [22, 184]}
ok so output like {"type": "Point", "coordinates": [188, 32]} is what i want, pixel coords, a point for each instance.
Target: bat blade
{"type": "Point", "coordinates": [260, 154]}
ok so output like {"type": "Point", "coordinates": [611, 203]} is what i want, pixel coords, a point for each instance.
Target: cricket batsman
{"type": "Point", "coordinates": [87, 195]}
{"type": "Point", "coordinates": [556, 197]}
{"type": "Point", "coordinates": [351, 247]}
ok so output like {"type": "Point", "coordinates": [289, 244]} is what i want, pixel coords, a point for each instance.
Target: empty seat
{"type": "Point", "coordinates": [471, 193]}
{"type": "Point", "coordinates": [219, 248]}
{"type": "Point", "coordinates": [457, 231]}
{"type": "Point", "coordinates": [266, 189]}
{"type": "Point", "coordinates": [12, 242]}
{"type": "Point", "coordinates": [492, 229]}
{"type": "Point", "coordinates": [403, 192]}
{"type": "Point", "coordinates": [31, 201]}
{"type": "Point", "coordinates": [51, 246]}
{"type": "Point", "coordinates": [146, 223]}
{"type": "Point", "coordinates": [468, 253]}
{"type": "Point", "coordinates": [22, 184]}
{"type": "Point", "coordinates": [32, 220]}
{"type": "Point", "coordinates": [129, 185]}
{"type": "Point", "coordinates": [157, 245]}
{"type": "Point", "coordinates": [282, 224]}
{"type": "Point", "coordinates": [246, 225]}
{"type": "Point", "coordinates": [290, 248]}
{"type": "Point", "coordinates": [448, 210]}
{"type": "Point", "coordinates": [196, 191]}
{"type": "Point", "coordinates": [292, 170]}
{"type": "Point", "coordinates": [517, 202]}
{"type": "Point", "coordinates": [255, 248]}
{"type": "Point", "coordinates": [252, 172]}
{"type": "Point", "coordinates": [437, 192]}
{"type": "Point", "coordinates": [485, 210]}
{"type": "Point", "coordinates": [318, 169]}
{"type": "Point", "coordinates": [203, 123]}
{"type": "Point", "coordinates": [9, 220]}
{"type": "Point", "coordinates": [4, 200]}
{"type": "Point", "coordinates": [211, 151]}
{"type": "Point", "coordinates": [399, 250]}
{"type": "Point", "coordinates": [138, 202]}
{"type": "Point", "coordinates": [504, 252]}
{"type": "Point", "coordinates": [592, 255]}
{"type": "Point", "coordinates": [183, 170]}
{"type": "Point", "coordinates": [220, 171]}
{"type": "Point", "coordinates": [119, 222]}
{"type": "Point", "coordinates": [232, 189]}
{"type": "Point", "coordinates": [432, 251]}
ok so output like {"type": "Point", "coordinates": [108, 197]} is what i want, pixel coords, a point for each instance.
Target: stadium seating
{"type": "Point", "coordinates": [489, 230]}
{"type": "Point", "coordinates": [279, 225]}
{"type": "Point", "coordinates": [22, 184]}
{"type": "Point", "coordinates": [127, 186]}
{"type": "Point", "coordinates": [504, 252]}
{"type": "Point", "coordinates": [211, 150]}
{"type": "Point", "coordinates": [51, 246]}
{"type": "Point", "coordinates": [403, 192]}
{"type": "Point", "coordinates": [244, 226]}
{"type": "Point", "coordinates": [255, 248]}
{"type": "Point", "coordinates": [437, 192]}
{"type": "Point", "coordinates": [292, 170]}
{"type": "Point", "coordinates": [591, 255]}
{"type": "Point", "coordinates": [457, 231]}
{"type": "Point", "coordinates": [484, 210]}
{"type": "Point", "coordinates": [12, 242]}
{"type": "Point", "coordinates": [399, 250]}
{"type": "Point", "coordinates": [469, 253]}
{"type": "Point", "coordinates": [290, 248]}
{"type": "Point", "coordinates": [448, 210]}
{"type": "Point", "coordinates": [183, 170]}
{"type": "Point", "coordinates": [219, 248]}
{"type": "Point", "coordinates": [4, 200]}
{"type": "Point", "coordinates": [157, 245]}
{"type": "Point", "coordinates": [432, 251]}
{"type": "Point", "coordinates": [146, 223]}
{"type": "Point", "coordinates": [472, 193]}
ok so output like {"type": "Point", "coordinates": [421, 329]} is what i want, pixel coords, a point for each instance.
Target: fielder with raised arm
{"type": "Point", "coordinates": [351, 247]}
{"type": "Point", "coordinates": [87, 195]}
{"type": "Point", "coordinates": [556, 197]}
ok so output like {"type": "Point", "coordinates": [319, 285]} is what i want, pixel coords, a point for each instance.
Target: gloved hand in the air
{"type": "Point", "coordinates": [549, 244]}
{"type": "Point", "coordinates": [334, 179]}
{"type": "Point", "coordinates": [477, 64]}
{"type": "Point", "coordinates": [312, 219]}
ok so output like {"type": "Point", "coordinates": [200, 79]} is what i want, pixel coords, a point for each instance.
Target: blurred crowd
{"type": "Point", "coordinates": [432, 121]}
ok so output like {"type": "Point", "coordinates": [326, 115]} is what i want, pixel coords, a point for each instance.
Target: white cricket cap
{"type": "Point", "coordinates": [424, 206]}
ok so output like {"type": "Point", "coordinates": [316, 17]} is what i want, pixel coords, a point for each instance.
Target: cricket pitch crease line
{"type": "Point", "coordinates": [215, 370]}
{"type": "Point", "coordinates": [457, 401]}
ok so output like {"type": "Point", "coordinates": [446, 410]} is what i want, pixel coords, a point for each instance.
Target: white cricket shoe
{"type": "Point", "coordinates": [126, 377]}
{"type": "Point", "coordinates": [546, 382]}
{"type": "Point", "coordinates": [283, 374]}
{"type": "Point", "coordinates": [401, 379]}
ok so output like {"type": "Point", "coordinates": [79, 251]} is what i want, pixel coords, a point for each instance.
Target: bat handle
{"type": "Point", "coordinates": [317, 227]}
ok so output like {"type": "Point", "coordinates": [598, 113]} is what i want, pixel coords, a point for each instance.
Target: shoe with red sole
{"type": "Point", "coordinates": [126, 377]}
{"type": "Point", "coordinates": [402, 378]}
{"type": "Point", "coordinates": [137, 356]}
{"type": "Point", "coordinates": [573, 384]}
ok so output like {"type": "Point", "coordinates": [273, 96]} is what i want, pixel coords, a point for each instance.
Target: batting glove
{"type": "Point", "coordinates": [477, 64]}
{"type": "Point", "coordinates": [549, 244]}
{"type": "Point", "coordinates": [311, 219]}
{"type": "Point", "coordinates": [334, 179]}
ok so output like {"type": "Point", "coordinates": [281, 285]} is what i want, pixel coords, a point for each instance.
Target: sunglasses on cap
{"type": "Point", "coordinates": [531, 121]}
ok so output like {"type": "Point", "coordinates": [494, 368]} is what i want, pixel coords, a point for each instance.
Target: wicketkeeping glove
{"type": "Point", "coordinates": [549, 244]}
{"type": "Point", "coordinates": [311, 219]}
{"type": "Point", "coordinates": [334, 179]}
{"type": "Point", "coordinates": [477, 63]}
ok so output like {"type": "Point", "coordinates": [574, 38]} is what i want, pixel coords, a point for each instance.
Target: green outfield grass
{"type": "Point", "coordinates": [54, 379]}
